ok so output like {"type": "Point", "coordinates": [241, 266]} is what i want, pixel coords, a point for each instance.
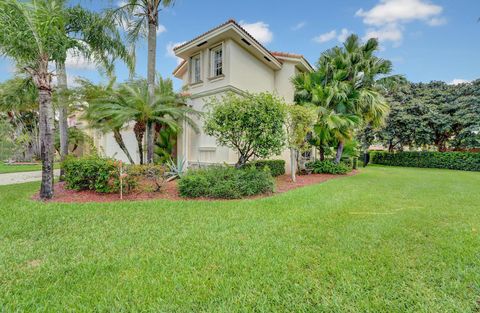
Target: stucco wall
{"type": "Point", "coordinates": [243, 71]}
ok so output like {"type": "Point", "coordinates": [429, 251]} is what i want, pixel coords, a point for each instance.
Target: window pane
{"type": "Point", "coordinates": [217, 62]}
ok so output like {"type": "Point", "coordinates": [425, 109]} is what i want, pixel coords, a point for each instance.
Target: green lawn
{"type": "Point", "coordinates": [7, 168]}
{"type": "Point", "coordinates": [387, 240]}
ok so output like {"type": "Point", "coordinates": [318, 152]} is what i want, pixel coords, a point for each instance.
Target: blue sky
{"type": "Point", "coordinates": [425, 39]}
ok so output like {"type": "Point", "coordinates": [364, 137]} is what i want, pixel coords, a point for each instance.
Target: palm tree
{"type": "Point", "coordinates": [141, 17]}
{"type": "Point", "coordinates": [32, 35]}
{"type": "Point", "coordinates": [131, 103]}
{"type": "Point", "coordinates": [96, 38]}
{"type": "Point", "coordinates": [89, 94]}
{"type": "Point", "coordinates": [346, 88]}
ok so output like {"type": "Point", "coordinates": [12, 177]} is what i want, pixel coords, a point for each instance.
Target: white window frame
{"type": "Point", "coordinates": [192, 69]}
{"type": "Point", "coordinates": [213, 50]}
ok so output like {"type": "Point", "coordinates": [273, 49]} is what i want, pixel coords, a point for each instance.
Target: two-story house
{"type": "Point", "coordinates": [227, 58]}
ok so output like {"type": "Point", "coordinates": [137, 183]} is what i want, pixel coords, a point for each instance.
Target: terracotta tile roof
{"type": "Point", "coordinates": [206, 33]}
{"type": "Point", "coordinates": [274, 54]}
{"type": "Point", "coordinates": [231, 21]}
{"type": "Point", "coordinates": [179, 66]}
{"type": "Point", "coordinates": [286, 54]}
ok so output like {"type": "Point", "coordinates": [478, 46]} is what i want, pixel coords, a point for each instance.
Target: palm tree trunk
{"type": "Point", "coordinates": [119, 139]}
{"type": "Point", "coordinates": [152, 48]}
{"type": "Point", "coordinates": [46, 143]}
{"type": "Point", "coordinates": [293, 164]}
{"type": "Point", "coordinates": [139, 130]}
{"type": "Point", "coordinates": [322, 152]}
{"type": "Point", "coordinates": [339, 152]}
{"type": "Point", "coordinates": [62, 113]}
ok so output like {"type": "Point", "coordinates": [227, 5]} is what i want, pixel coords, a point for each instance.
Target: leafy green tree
{"type": "Point", "coordinates": [33, 35]}
{"type": "Point", "coordinates": [252, 125]}
{"type": "Point", "coordinates": [299, 123]}
{"type": "Point", "coordinates": [141, 17]}
{"type": "Point", "coordinates": [433, 114]}
{"type": "Point", "coordinates": [7, 143]}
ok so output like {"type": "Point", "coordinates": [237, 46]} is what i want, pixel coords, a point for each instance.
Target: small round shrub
{"type": "Point", "coordinates": [95, 173]}
{"type": "Point", "coordinates": [223, 182]}
{"type": "Point", "coordinates": [328, 167]}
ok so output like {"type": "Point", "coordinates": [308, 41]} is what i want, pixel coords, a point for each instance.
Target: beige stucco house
{"type": "Point", "coordinates": [228, 59]}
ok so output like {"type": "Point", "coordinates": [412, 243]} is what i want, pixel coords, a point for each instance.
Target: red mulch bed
{"type": "Point", "coordinates": [169, 190]}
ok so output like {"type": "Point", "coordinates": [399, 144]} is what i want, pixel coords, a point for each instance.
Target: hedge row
{"type": "Point", "coordinates": [465, 161]}
{"type": "Point", "coordinates": [277, 167]}
{"type": "Point", "coordinates": [225, 182]}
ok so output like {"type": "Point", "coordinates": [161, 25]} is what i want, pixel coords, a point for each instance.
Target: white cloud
{"type": "Point", "coordinates": [77, 61]}
{"type": "Point", "coordinates": [341, 36]}
{"type": "Point", "coordinates": [299, 26]}
{"type": "Point", "coordinates": [344, 33]}
{"type": "Point", "coordinates": [326, 36]}
{"type": "Point", "coordinates": [390, 32]}
{"type": "Point", "coordinates": [437, 21]}
{"type": "Point", "coordinates": [458, 81]}
{"type": "Point", "coordinates": [259, 30]}
{"type": "Point", "coordinates": [386, 20]}
{"type": "Point", "coordinates": [395, 11]}
{"type": "Point", "coordinates": [171, 53]}
{"type": "Point", "coordinates": [161, 29]}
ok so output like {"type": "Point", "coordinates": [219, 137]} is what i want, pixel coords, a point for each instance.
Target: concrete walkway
{"type": "Point", "coordinates": [22, 177]}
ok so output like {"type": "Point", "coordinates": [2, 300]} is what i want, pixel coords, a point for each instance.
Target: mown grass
{"type": "Point", "coordinates": [386, 240]}
{"type": "Point", "coordinates": [17, 168]}
{"type": "Point", "coordinates": [7, 168]}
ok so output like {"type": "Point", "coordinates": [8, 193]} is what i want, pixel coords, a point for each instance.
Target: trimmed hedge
{"type": "Point", "coordinates": [225, 182]}
{"type": "Point", "coordinates": [464, 161]}
{"type": "Point", "coordinates": [277, 167]}
{"type": "Point", "coordinates": [328, 167]}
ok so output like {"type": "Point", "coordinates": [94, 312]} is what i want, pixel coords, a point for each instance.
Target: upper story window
{"type": "Point", "coordinates": [195, 69]}
{"type": "Point", "coordinates": [216, 61]}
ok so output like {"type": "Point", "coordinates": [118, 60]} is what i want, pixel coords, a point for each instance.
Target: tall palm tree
{"type": "Point", "coordinates": [33, 35]}
{"type": "Point", "coordinates": [131, 103]}
{"type": "Point", "coordinates": [96, 38]}
{"type": "Point", "coordinates": [141, 17]}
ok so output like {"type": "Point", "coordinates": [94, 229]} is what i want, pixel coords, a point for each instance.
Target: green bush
{"type": "Point", "coordinates": [328, 167]}
{"type": "Point", "coordinates": [465, 161]}
{"type": "Point", "coordinates": [225, 182]}
{"type": "Point", "coordinates": [95, 173]}
{"type": "Point", "coordinates": [277, 167]}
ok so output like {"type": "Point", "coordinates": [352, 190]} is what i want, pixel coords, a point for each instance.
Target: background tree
{"type": "Point", "coordinates": [299, 123]}
{"type": "Point", "coordinates": [252, 125]}
{"type": "Point", "coordinates": [433, 115]}
{"type": "Point", "coordinates": [19, 103]}
{"type": "Point", "coordinates": [33, 35]}
{"type": "Point", "coordinates": [141, 17]}
{"type": "Point", "coordinates": [96, 38]}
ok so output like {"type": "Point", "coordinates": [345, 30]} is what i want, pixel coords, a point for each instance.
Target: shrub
{"type": "Point", "coordinates": [277, 167]}
{"type": "Point", "coordinates": [328, 167]}
{"type": "Point", "coordinates": [95, 173]}
{"type": "Point", "coordinates": [251, 124]}
{"type": "Point", "coordinates": [465, 161]}
{"type": "Point", "coordinates": [225, 182]}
